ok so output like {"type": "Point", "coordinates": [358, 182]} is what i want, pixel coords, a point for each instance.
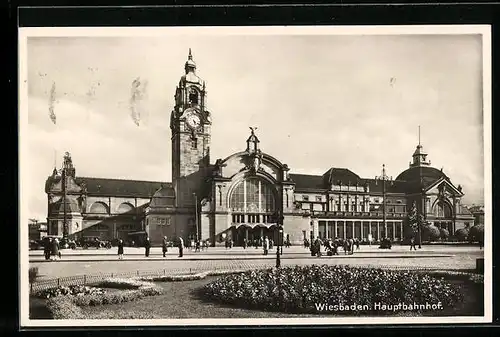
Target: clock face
{"type": "Point", "coordinates": [193, 120]}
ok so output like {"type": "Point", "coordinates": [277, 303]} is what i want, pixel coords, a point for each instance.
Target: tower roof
{"type": "Point", "coordinates": [190, 64]}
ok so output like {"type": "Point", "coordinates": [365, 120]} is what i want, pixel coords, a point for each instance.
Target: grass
{"type": "Point", "coordinates": [181, 300]}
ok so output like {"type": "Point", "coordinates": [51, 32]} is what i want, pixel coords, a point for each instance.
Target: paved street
{"type": "Point", "coordinates": [88, 263]}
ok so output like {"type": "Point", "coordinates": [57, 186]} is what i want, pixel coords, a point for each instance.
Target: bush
{"type": "Point", "coordinates": [300, 289]}
{"type": "Point", "coordinates": [462, 234]}
{"type": "Point", "coordinates": [430, 233]}
{"type": "Point", "coordinates": [32, 274]}
{"type": "Point", "coordinates": [476, 233]}
{"type": "Point", "coordinates": [444, 234]}
{"type": "Point", "coordinates": [64, 308]}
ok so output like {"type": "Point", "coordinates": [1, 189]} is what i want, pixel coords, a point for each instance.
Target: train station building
{"type": "Point", "coordinates": [247, 194]}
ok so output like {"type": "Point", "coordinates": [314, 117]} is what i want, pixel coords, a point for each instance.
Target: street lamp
{"type": "Point", "coordinates": [279, 243]}
{"type": "Point", "coordinates": [196, 214]}
{"type": "Point", "coordinates": [384, 177]}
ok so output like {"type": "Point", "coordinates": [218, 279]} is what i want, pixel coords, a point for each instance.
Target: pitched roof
{"type": "Point", "coordinates": [307, 181]}
{"type": "Point", "coordinates": [116, 187]}
{"type": "Point", "coordinates": [121, 187]}
{"type": "Point", "coordinates": [345, 176]}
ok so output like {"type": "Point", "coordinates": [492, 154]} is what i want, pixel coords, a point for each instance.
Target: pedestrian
{"type": "Point", "coordinates": [54, 249]}
{"type": "Point", "coordinates": [197, 246]}
{"type": "Point", "coordinates": [481, 244]}
{"type": "Point", "coordinates": [164, 246]}
{"type": "Point", "coordinates": [244, 243]}
{"type": "Point", "coordinates": [266, 245]}
{"type": "Point", "coordinates": [181, 247]}
{"type": "Point", "coordinates": [46, 248]}
{"type": "Point", "coordinates": [357, 243]}
{"type": "Point", "coordinates": [412, 244]}
{"type": "Point", "coordinates": [120, 249]}
{"type": "Point", "coordinates": [147, 246]}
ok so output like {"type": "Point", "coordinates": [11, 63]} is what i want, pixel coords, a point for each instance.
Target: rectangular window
{"type": "Point", "coordinates": [318, 198]}
{"type": "Point", "coordinates": [305, 197]}
{"type": "Point", "coordinates": [377, 200]}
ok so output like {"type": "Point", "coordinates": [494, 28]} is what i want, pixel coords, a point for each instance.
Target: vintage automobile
{"type": "Point", "coordinates": [93, 242]}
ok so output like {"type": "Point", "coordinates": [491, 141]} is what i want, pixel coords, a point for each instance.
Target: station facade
{"type": "Point", "coordinates": [247, 194]}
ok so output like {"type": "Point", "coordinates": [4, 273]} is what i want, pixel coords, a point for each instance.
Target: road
{"type": "Point", "coordinates": [90, 263]}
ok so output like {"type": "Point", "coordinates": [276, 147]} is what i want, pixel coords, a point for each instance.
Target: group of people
{"type": "Point", "coordinates": [332, 246]}
{"type": "Point", "coordinates": [51, 249]}
{"type": "Point", "coordinates": [197, 245]}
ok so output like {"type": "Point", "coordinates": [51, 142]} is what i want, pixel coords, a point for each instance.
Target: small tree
{"type": "Point", "coordinates": [444, 234]}
{"type": "Point", "coordinates": [413, 219]}
{"type": "Point", "coordinates": [430, 232]}
{"type": "Point", "coordinates": [462, 234]}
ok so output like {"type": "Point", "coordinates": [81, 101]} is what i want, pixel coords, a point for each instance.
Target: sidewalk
{"type": "Point", "coordinates": [240, 252]}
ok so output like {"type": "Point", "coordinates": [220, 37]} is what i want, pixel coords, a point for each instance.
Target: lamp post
{"type": "Point", "coordinates": [196, 214]}
{"type": "Point", "coordinates": [280, 234]}
{"type": "Point", "coordinates": [384, 177]}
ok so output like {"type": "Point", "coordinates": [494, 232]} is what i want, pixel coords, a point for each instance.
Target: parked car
{"type": "Point", "coordinates": [93, 242]}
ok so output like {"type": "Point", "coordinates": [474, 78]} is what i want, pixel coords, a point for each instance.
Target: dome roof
{"type": "Point", "coordinates": [163, 197]}
{"type": "Point", "coordinates": [414, 174]}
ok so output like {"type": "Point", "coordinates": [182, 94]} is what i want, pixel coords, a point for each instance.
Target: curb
{"type": "Point", "coordinates": [246, 259]}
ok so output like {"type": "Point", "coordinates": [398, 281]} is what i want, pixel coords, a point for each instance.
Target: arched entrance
{"type": "Point", "coordinates": [253, 207]}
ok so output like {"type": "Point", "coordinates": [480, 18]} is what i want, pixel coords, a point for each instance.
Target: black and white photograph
{"type": "Point", "coordinates": [255, 175]}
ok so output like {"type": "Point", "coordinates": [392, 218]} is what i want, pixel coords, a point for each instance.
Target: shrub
{"type": "Point", "coordinates": [32, 274]}
{"type": "Point", "coordinates": [476, 233]}
{"type": "Point", "coordinates": [430, 233]}
{"type": "Point", "coordinates": [63, 308]}
{"type": "Point", "coordinates": [444, 234]}
{"type": "Point", "coordinates": [462, 234]}
{"type": "Point", "coordinates": [299, 289]}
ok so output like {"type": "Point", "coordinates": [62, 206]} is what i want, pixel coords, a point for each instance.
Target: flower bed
{"type": "Point", "coordinates": [66, 302]}
{"type": "Point", "coordinates": [68, 307]}
{"type": "Point", "coordinates": [75, 290]}
{"type": "Point", "coordinates": [301, 289]}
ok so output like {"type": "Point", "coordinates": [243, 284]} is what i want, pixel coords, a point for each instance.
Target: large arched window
{"type": "Point", "coordinates": [98, 208]}
{"type": "Point", "coordinates": [442, 210]}
{"type": "Point", "coordinates": [252, 200]}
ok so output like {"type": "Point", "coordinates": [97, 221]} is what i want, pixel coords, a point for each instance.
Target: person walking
{"type": "Point", "coordinates": [120, 249]}
{"type": "Point", "coordinates": [46, 248]}
{"type": "Point", "coordinates": [266, 245]}
{"type": "Point", "coordinates": [164, 246]}
{"type": "Point", "coordinates": [412, 244]}
{"type": "Point", "coordinates": [197, 245]}
{"type": "Point", "coordinates": [147, 247]}
{"type": "Point", "coordinates": [181, 247]}
{"type": "Point", "coordinates": [54, 249]}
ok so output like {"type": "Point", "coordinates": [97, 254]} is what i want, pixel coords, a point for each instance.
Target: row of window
{"type": "Point", "coordinates": [361, 207]}
{"type": "Point", "coordinates": [319, 198]}
{"type": "Point", "coordinates": [252, 218]}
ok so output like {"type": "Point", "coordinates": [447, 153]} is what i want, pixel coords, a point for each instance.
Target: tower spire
{"type": "Point", "coordinates": [419, 135]}
{"type": "Point", "coordinates": [190, 56]}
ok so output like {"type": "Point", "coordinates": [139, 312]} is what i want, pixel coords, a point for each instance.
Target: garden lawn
{"type": "Point", "coordinates": [181, 300]}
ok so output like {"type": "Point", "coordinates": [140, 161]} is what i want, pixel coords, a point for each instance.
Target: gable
{"type": "Point", "coordinates": [449, 189]}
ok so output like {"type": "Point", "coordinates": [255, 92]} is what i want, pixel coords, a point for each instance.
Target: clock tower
{"type": "Point", "coordinates": [190, 124]}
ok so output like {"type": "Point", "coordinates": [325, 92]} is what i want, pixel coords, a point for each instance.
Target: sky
{"type": "Point", "coordinates": [319, 101]}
